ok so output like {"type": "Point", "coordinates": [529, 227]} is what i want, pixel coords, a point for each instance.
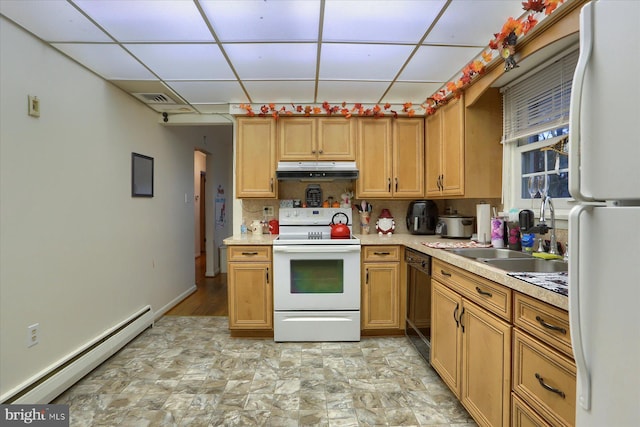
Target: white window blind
{"type": "Point", "coordinates": [540, 101]}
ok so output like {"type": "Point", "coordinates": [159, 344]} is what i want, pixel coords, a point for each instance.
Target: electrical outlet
{"type": "Point", "coordinates": [268, 210]}
{"type": "Point", "coordinates": [33, 334]}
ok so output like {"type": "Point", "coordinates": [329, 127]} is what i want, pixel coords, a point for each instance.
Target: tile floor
{"type": "Point", "coordinates": [189, 371]}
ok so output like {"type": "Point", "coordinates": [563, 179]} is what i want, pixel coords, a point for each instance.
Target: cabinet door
{"type": "Point", "coordinates": [256, 158]}
{"type": "Point", "coordinates": [433, 156]}
{"type": "Point", "coordinates": [453, 148]}
{"type": "Point", "coordinates": [408, 158]}
{"type": "Point", "coordinates": [336, 139]}
{"type": "Point", "coordinates": [486, 365]}
{"type": "Point", "coordinates": [297, 138]}
{"type": "Point", "coordinates": [446, 341]}
{"type": "Point", "coordinates": [374, 158]}
{"type": "Point", "coordinates": [250, 295]}
{"type": "Point", "coordinates": [380, 296]}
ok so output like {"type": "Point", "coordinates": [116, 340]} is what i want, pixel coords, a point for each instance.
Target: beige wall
{"type": "Point", "coordinates": [78, 254]}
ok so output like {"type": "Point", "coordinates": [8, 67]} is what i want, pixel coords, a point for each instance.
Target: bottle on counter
{"type": "Point", "coordinates": [243, 227]}
{"type": "Point", "coordinates": [528, 239]}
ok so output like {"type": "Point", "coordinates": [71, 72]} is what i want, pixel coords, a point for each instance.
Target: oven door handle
{"type": "Point", "coordinates": [299, 249]}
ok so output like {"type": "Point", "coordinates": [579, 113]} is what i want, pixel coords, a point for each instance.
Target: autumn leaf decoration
{"type": "Point", "coordinates": [504, 42]}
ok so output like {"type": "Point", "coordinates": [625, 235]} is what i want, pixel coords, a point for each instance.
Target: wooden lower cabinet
{"type": "Point", "coordinates": [381, 305]}
{"type": "Point", "coordinates": [523, 416]}
{"type": "Point", "coordinates": [544, 372]}
{"type": "Point", "coordinates": [250, 288]}
{"type": "Point", "coordinates": [471, 350]}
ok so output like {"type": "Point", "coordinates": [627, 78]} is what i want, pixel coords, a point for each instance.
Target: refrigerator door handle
{"type": "Point", "coordinates": [584, 377]}
{"type": "Point", "coordinates": [586, 45]}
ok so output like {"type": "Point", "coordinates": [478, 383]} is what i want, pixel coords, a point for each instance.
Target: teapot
{"type": "Point", "coordinates": [339, 230]}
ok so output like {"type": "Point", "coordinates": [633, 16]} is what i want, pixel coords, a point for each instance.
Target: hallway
{"type": "Point", "coordinates": [210, 298]}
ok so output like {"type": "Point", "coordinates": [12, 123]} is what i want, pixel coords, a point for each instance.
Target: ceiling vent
{"type": "Point", "coordinates": [154, 98]}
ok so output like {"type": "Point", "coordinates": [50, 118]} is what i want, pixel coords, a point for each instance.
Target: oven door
{"type": "Point", "coordinates": [316, 277]}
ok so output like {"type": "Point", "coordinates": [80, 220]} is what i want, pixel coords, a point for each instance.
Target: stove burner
{"type": "Point", "coordinates": [315, 235]}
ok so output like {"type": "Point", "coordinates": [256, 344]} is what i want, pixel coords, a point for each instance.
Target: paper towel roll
{"type": "Point", "coordinates": [483, 220]}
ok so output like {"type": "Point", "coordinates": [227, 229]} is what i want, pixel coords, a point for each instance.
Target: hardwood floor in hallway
{"type": "Point", "coordinates": [210, 298]}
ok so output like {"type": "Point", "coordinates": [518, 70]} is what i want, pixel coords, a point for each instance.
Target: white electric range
{"type": "Point", "coordinates": [316, 291]}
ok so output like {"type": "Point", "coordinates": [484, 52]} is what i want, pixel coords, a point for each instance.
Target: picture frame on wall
{"type": "Point", "coordinates": [141, 175]}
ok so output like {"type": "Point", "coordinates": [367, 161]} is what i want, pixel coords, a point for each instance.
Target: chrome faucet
{"type": "Point", "coordinates": [553, 244]}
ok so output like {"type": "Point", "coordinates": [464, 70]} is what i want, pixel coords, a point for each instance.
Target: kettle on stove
{"type": "Point", "coordinates": [339, 230]}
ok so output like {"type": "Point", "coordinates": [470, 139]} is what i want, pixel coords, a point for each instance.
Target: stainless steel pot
{"type": "Point", "coordinates": [455, 226]}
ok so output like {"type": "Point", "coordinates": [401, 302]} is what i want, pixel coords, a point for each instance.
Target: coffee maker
{"type": "Point", "coordinates": [422, 217]}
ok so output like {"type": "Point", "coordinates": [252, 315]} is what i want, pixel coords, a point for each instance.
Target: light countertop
{"type": "Point", "coordinates": [417, 242]}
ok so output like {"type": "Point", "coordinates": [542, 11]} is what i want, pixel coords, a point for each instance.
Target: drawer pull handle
{"type": "Point", "coordinates": [461, 324]}
{"type": "Point", "coordinates": [550, 326]}
{"type": "Point", "coordinates": [267, 275]}
{"type": "Point", "coordinates": [249, 253]}
{"type": "Point", "coordinates": [454, 314]}
{"type": "Point", "coordinates": [485, 293]}
{"type": "Point", "coordinates": [382, 253]}
{"type": "Point", "coordinates": [444, 273]}
{"type": "Point", "coordinates": [548, 387]}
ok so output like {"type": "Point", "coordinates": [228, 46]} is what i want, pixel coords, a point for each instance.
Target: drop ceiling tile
{"type": "Point", "coordinates": [183, 61]}
{"type": "Point", "coordinates": [416, 93]}
{"type": "Point", "coordinates": [473, 23]}
{"type": "Point", "coordinates": [259, 20]}
{"type": "Point", "coordinates": [362, 61]}
{"type": "Point", "coordinates": [264, 61]}
{"type": "Point", "coordinates": [107, 60]}
{"type": "Point", "coordinates": [209, 92]}
{"type": "Point", "coordinates": [52, 20]}
{"type": "Point", "coordinates": [379, 21]}
{"type": "Point", "coordinates": [437, 63]}
{"type": "Point", "coordinates": [149, 20]}
{"type": "Point", "coordinates": [264, 92]}
{"type": "Point", "coordinates": [336, 92]}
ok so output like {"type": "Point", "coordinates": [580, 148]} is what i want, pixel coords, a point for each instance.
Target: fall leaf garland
{"type": "Point", "coordinates": [504, 41]}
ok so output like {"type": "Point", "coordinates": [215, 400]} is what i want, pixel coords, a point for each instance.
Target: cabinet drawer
{"type": "Point", "coordinates": [490, 295]}
{"type": "Point", "coordinates": [248, 253]}
{"type": "Point", "coordinates": [549, 324]}
{"type": "Point", "coordinates": [544, 379]}
{"type": "Point", "coordinates": [523, 416]}
{"type": "Point", "coordinates": [381, 253]}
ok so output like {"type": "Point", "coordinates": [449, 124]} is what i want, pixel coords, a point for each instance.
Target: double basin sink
{"type": "Point", "coordinates": [508, 260]}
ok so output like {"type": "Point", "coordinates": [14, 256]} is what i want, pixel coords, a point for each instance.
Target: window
{"type": "Point", "coordinates": [536, 130]}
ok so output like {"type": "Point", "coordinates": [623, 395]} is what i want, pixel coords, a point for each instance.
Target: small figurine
{"type": "Point", "coordinates": [385, 224]}
{"type": "Point", "coordinates": [346, 199]}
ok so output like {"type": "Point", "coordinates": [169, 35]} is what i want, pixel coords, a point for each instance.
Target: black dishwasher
{"type": "Point", "coordinates": [418, 327]}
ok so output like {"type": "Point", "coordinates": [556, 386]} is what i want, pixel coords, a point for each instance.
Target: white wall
{"type": "Point", "coordinates": [78, 254]}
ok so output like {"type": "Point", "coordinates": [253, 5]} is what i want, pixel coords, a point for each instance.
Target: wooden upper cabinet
{"type": "Point", "coordinates": [374, 158]}
{"type": "Point", "coordinates": [463, 150]}
{"type": "Point", "coordinates": [452, 166]}
{"type": "Point", "coordinates": [445, 150]}
{"type": "Point", "coordinates": [316, 138]}
{"type": "Point", "coordinates": [390, 158]}
{"type": "Point", "coordinates": [336, 139]}
{"type": "Point", "coordinates": [408, 158]}
{"type": "Point", "coordinates": [256, 158]}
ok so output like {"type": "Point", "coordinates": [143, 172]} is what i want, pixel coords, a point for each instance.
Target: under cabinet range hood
{"type": "Point", "coordinates": [316, 171]}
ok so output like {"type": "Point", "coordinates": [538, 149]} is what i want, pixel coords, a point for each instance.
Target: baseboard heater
{"type": "Point", "coordinates": [47, 385]}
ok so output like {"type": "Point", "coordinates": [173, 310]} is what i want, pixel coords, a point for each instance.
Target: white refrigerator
{"type": "Point", "coordinates": [604, 226]}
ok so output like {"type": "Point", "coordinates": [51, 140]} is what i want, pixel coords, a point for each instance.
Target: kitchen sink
{"type": "Point", "coordinates": [489, 253]}
{"type": "Point", "coordinates": [533, 265]}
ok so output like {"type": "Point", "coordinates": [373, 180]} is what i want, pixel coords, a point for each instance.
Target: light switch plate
{"type": "Point", "coordinates": [34, 106]}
